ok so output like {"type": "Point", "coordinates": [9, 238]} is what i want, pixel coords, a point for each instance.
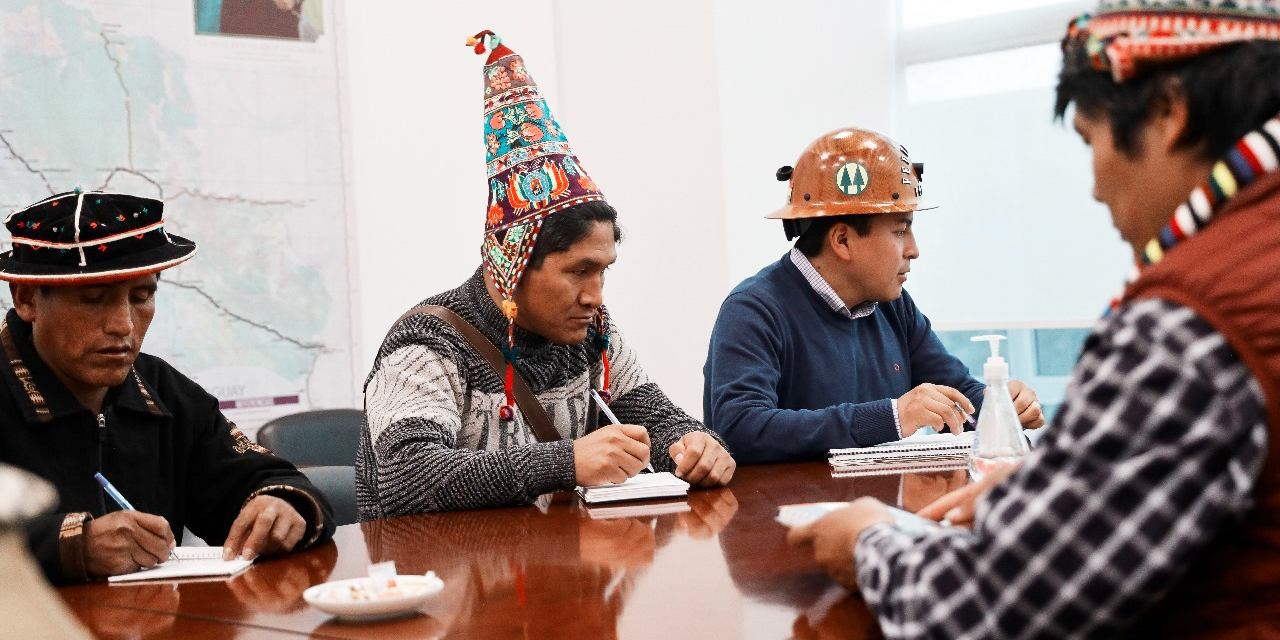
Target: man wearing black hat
{"type": "Point", "coordinates": [78, 399]}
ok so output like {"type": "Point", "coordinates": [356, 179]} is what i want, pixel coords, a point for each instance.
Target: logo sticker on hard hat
{"type": "Point", "coordinates": [852, 179]}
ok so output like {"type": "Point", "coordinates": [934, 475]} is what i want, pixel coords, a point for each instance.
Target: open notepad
{"type": "Point", "coordinates": [189, 562]}
{"type": "Point", "coordinates": [644, 486]}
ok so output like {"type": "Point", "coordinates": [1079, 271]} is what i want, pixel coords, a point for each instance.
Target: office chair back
{"type": "Point", "coordinates": [327, 437]}
{"type": "Point", "coordinates": [339, 485]}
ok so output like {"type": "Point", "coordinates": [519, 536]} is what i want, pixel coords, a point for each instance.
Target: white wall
{"type": "Point", "coordinates": [639, 103]}
{"type": "Point", "coordinates": [788, 74]}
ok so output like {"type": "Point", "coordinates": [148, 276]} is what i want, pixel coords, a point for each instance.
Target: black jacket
{"type": "Point", "coordinates": [160, 439]}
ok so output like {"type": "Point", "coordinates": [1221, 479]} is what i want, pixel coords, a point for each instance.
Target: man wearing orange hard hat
{"type": "Point", "coordinates": [824, 349]}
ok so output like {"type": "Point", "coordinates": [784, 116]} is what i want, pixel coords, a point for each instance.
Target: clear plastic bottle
{"type": "Point", "coordinates": [998, 441]}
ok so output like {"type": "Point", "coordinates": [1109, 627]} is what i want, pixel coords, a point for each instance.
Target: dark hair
{"type": "Point", "coordinates": [564, 228]}
{"type": "Point", "coordinates": [814, 237]}
{"type": "Point", "coordinates": [1229, 92]}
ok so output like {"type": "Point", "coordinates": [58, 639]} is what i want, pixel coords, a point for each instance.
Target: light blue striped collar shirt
{"type": "Point", "coordinates": [824, 290]}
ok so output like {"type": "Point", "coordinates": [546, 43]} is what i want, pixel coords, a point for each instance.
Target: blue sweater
{"type": "Point", "coordinates": [788, 378]}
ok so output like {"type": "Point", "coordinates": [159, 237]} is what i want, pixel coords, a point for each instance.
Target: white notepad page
{"type": "Point", "coordinates": [643, 486]}
{"type": "Point", "coordinates": [188, 562]}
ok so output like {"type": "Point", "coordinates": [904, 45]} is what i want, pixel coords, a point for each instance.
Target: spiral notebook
{"type": "Point", "coordinates": [188, 562]}
{"type": "Point", "coordinates": [921, 450]}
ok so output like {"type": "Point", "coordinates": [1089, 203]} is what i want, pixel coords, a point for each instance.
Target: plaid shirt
{"type": "Point", "coordinates": [1159, 444]}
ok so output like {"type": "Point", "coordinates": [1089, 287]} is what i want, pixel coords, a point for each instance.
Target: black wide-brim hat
{"type": "Point", "coordinates": [90, 237]}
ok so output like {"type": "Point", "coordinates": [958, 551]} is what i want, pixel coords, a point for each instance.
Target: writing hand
{"type": "Point", "coordinates": [125, 541]}
{"type": "Point", "coordinates": [610, 454]}
{"type": "Point", "coordinates": [932, 405]}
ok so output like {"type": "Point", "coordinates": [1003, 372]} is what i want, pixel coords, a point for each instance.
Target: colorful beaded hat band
{"type": "Point", "coordinates": [532, 174]}
{"type": "Point", "coordinates": [1122, 38]}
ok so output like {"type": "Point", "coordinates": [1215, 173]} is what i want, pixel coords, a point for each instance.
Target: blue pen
{"type": "Point", "coordinates": [111, 491]}
{"type": "Point", "coordinates": [118, 497]}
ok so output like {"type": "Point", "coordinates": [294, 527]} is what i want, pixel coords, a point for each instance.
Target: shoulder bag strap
{"type": "Point", "coordinates": [539, 421]}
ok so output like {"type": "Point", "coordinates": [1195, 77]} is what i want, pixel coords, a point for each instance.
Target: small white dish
{"type": "Point", "coordinates": [352, 600]}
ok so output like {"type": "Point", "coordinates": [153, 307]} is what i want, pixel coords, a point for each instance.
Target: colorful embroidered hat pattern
{"type": "Point", "coordinates": [1123, 37]}
{"type": "Point", "coordinates": [532, 174]}
{"type": "Point", "coordinates": [531, 169]}
{"type": "Point", "coordinates": [90, 237]}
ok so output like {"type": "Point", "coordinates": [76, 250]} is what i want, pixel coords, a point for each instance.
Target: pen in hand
{"type": "Point", "coordinates": [119, 498]}
{"type": "Point", "coordinates": [608, 413]}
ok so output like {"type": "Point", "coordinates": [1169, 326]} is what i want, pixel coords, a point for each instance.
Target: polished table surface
{"type": "Point", "coordinates": [722, 569]}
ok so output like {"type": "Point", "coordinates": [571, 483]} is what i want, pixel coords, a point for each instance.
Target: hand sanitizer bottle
{"type": "Point", "coordinates": [998, 441]}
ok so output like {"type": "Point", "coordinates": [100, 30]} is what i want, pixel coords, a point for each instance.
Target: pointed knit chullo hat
{"type": "Point", "coordinates": [532, 174]}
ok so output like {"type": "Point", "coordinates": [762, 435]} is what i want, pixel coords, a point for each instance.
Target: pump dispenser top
{"type": "Point", "coordinates": [995, 368]}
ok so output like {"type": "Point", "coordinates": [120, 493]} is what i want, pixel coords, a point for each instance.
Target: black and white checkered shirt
{"type": "Point", "coordinates": [1159, 443]}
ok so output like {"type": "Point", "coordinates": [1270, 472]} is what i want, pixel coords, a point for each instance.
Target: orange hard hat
{"type": "Point", "coordinates": [852, 171]}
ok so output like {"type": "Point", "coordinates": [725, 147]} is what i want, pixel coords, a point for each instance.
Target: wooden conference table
{"type": "Point", "coordinates": [722, 569]}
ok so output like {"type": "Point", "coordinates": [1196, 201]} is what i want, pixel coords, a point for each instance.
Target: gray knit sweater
{"type": "Point", "coordinates": [432, 439]}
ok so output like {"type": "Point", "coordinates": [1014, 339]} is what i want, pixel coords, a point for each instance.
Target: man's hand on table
{"type": "Point", "coordinates": [124, 542]}
{"type": "Point", "coordinates": [932, 405]}
{"type": "Point", "coordinates": [266, 525]}
{"type": "Point", "coordinates": [835, 536]}
{"type": "Point", "coordinates": [701, 461]}
{"type": "Point", "coordinates": [610, 454]}
{"type": "Point", "coordinates": [1025, 403]}
{"type": "Point", "coordinates": [957, 507]}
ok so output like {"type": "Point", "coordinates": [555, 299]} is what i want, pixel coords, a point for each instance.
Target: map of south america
{"type": "Point", "coordinates": [241, 138]}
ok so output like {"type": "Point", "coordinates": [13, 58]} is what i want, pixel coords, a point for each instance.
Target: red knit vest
{"type": "Point", "coordinates": [1229, 274]}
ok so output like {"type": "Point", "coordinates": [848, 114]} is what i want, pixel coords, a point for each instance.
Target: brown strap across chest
{"type": "Point", "coordinates": [535, 416]}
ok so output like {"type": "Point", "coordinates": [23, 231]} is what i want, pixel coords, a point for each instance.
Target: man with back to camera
{"type": "Point", "coordinates": [824, 349]}
{"type": "Point", "coordinates": [442, 426]}
{"type": "Point", "coordinates": [1152, 508]}
{"type": "Point", "coordinates": [78, 399]}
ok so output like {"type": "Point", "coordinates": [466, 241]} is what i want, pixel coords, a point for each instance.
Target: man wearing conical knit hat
{"type": "Point", "coordinates": [1151, 509]}
{"type": "Point", "coordinates": [507, 387]}
{"type": "Point", "coordinates": [824, 349]}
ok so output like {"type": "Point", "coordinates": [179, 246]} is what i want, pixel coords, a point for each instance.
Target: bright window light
{"type": "Point", "coordinates": [984, 74]}
{"type": "Point", "coordinates": [922, 13]}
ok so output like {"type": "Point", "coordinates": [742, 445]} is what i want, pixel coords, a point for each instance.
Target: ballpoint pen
{"type": "Point", "coordinates": [612, 418]}
{"type": "Point", "coordinates": [119, 498]}
{"type": "Point", "coordinates": [113, 492]}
